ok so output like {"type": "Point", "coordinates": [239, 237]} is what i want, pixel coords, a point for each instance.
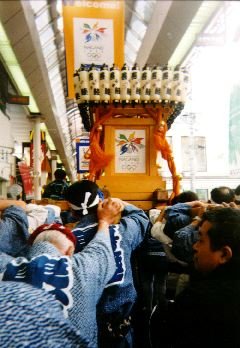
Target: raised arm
{"type": "Point", "coordinates": [97, 260]}
{"type": "Point", "coordinates": [180, 215]}
{"type": "Point", "coordinates": [13, 227]}
{"type": "Point", "coordinates": [5, 203]}
{"type": "Point", "coordinates": [134, 224]}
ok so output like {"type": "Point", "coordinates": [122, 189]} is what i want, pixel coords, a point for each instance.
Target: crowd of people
{"type": "Point", "coordinates": [104, 281]}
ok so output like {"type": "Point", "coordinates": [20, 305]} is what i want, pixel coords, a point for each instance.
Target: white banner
{"type": "Point", "coordinates": [93, 41]}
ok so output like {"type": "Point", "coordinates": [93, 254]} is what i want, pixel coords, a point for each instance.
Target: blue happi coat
{"type": "Point", "coordinates": [76, 282]}
{"type": "Point", "coordinates": [31, 317]}
{"type": "Point", "coordinates": [119, 294]}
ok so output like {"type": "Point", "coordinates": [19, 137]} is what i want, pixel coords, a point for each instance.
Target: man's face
{"type": "Point", "coordinates": [205, 259]}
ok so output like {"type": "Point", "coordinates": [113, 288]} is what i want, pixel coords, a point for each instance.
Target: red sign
{"type": "Point", "coordinates": [27, 180]}
{"type": "Point", "coordinates": [18, 99]}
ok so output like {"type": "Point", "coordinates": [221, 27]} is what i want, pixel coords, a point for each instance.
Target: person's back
{"type": "Point", "coordinates": [30, 317]}
{"type": "Point", "coordinates": [208, 312]}
{"type": "Point", "coordinates": [119, 296]}
{"type": "Point", "coordinates": [56, 189]}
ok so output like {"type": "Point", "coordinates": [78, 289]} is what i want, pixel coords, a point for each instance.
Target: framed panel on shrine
{"type": "Point", "coordinates": [130, 146]}
{"type": "Point", "coordinates": [132, 173]}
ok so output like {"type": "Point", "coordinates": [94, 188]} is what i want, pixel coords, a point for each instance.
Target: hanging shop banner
{"type": "Point", "coordinates": [94, 33]}
{"type": "Point", "coordinates": [44, 164]}
{"type": "Point", "coordinates": [25, 172]}
{"type": "Point", "coordinates": [82, 162]}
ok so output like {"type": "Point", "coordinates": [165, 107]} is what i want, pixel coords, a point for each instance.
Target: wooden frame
{"type": "Point", "coordinates": [136, 188]}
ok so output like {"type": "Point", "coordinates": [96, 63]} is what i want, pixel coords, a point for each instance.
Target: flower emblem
{"type": "Point", "coordinates": [130, 144]}
{"type": "Point", "coordinates": [93, 33]}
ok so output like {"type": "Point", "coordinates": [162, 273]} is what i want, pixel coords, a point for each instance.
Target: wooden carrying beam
{"type": "Point", "coordinates": [45, 201]}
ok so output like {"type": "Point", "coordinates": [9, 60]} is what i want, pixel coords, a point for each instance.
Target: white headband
{"type": "Point", "coordinates": [84, 205]}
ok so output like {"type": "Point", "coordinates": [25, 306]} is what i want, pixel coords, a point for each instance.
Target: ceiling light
{"type": "Point", "coordinates": [14, 70]}
{"type": "Point", "coordinates": [49, 141]}
{"type": "Point", "coordinates": [199, 21]}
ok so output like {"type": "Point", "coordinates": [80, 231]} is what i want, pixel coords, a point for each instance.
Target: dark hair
{"type": "Point", "coordinates": [185, 196]}
{"type": "Point", "coordinates": [222, 194]}
{"type": "Point", "coordinates": [76, 194]}
{"type": "Point", "coordinates": [237, 190]}
{"type": "Point", "coordinates": [60, 174]}
{"type": "Point", "coordinates": [225, 228]}
{"type": "Point", "coordinates": [237, 193]}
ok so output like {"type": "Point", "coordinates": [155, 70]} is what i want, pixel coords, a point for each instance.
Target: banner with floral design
{"type": "Point", "coordinates": [93, 33]}
{"type": "Point", "coordinates": [93, 41]}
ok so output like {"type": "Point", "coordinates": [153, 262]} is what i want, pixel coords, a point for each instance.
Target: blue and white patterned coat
{"type": "Point", "coordinates": [31, 317]}
{"type": "Point", "coordinates": [76, 282]}
{"type": "Point", "coordinates": [119, 294]}
{"type": "Point", "coordinates": [13, 230]}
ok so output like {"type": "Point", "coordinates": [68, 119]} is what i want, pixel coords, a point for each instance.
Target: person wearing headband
{"type": "Point", "coordinates": [115, 306]}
